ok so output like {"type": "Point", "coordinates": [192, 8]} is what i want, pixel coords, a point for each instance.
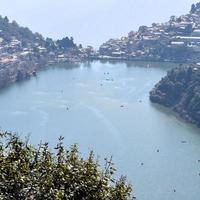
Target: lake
{"type": "Point", "coordinates": [105, 107]}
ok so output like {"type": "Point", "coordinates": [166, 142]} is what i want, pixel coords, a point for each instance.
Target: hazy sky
{"type": "Point", "coordinates": [90, 21]}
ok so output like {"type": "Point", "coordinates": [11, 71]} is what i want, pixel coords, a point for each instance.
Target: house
{"type": "Point", "coordinates": [188, 40]}
{"type": "Point", "coordinates": [176, 43]}
{"type": "Point", "coordinates": [196, 33]}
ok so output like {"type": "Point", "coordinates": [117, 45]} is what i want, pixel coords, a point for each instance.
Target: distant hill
{"type": "Point", "coordinates": [12, 31]}
{"type": "Point", "coordinates": [176, 40]}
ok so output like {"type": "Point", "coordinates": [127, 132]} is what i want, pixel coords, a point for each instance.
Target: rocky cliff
{"type": "Point", "coordinates": [180, 90]}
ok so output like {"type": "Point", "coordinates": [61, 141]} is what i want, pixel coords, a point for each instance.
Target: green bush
{"type": "Point", "coordinates": [29, 173]}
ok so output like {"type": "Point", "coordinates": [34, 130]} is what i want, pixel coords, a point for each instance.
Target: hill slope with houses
{"type": "Point", "coordinates": [23, 52]}
{"type": "Point", "coordinates": [177, 40]}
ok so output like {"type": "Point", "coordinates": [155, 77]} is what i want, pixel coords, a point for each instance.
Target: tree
{"type": "Point", "coordinates": [28, 173]}
{"type": "Point", "coordinates": [193, 8]}
{"type": "Point", "coordinates": [66, 43]}
{"type": "Point", "coordinates": [143, 29]}
{"type": "Point", "coordinates": [172, 19]}
{"type": "Point", "coordinates": [14, 23]}
{"type": "Point", "coordinates": [80, 46]}
{"type": "Point", "coordinates": [50, 44]}
{"type": "Point", "coordinates": [6, 19]}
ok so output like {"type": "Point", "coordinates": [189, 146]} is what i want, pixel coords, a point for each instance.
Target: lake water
{"type": "Point", "coordinates": [105, 107]}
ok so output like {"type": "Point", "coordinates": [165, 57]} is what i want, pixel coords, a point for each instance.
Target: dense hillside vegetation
{"type": "Point", "coordinates": [8, 30]}
{"type": "Point", "coordinates": [29, 173]}
{"type": "Point", "coordinates": [180, 90]}
{"type": "Point", "coordinates": [195, 8]}
{"type": "Point", "coordinates": [11, 30]}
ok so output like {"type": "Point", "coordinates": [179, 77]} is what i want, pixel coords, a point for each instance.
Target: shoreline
{"type": "Point", "coordinates": [178, 91]}
{"type": "Point", "coordinates": [110, 58]}
{"type": "Point", "coordinates": [30, 69]}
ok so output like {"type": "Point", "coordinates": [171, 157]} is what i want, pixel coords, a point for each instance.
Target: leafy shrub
{"type": "Point", "coordinates": [28, 173]}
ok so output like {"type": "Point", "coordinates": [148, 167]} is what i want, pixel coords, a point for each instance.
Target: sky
{"type": "Point", "coordinates": [90, 22]}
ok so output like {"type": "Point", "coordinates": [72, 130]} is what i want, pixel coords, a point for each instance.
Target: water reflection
{"type": "Point", "coordinates": [142, 64]}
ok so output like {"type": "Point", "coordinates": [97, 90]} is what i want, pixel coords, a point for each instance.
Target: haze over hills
{"type": "Point", "coordinates": [91, 22]}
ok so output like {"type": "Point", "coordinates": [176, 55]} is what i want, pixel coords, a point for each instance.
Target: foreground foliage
{"type": "Point", "coordinates": [29, 173]}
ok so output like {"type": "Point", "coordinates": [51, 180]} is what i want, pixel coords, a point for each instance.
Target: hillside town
{"type": "Point", "coordinates": [177, 40]}
{"type": "Point", "coordinates": [22, 52]}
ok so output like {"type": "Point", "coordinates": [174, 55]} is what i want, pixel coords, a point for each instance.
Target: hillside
{"type": "Point", "coordinates": [180, 90]}
{"type": "Point", "coordinates": [23, 52]}
{"type": "Point", "coordinates": [176, 40]}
